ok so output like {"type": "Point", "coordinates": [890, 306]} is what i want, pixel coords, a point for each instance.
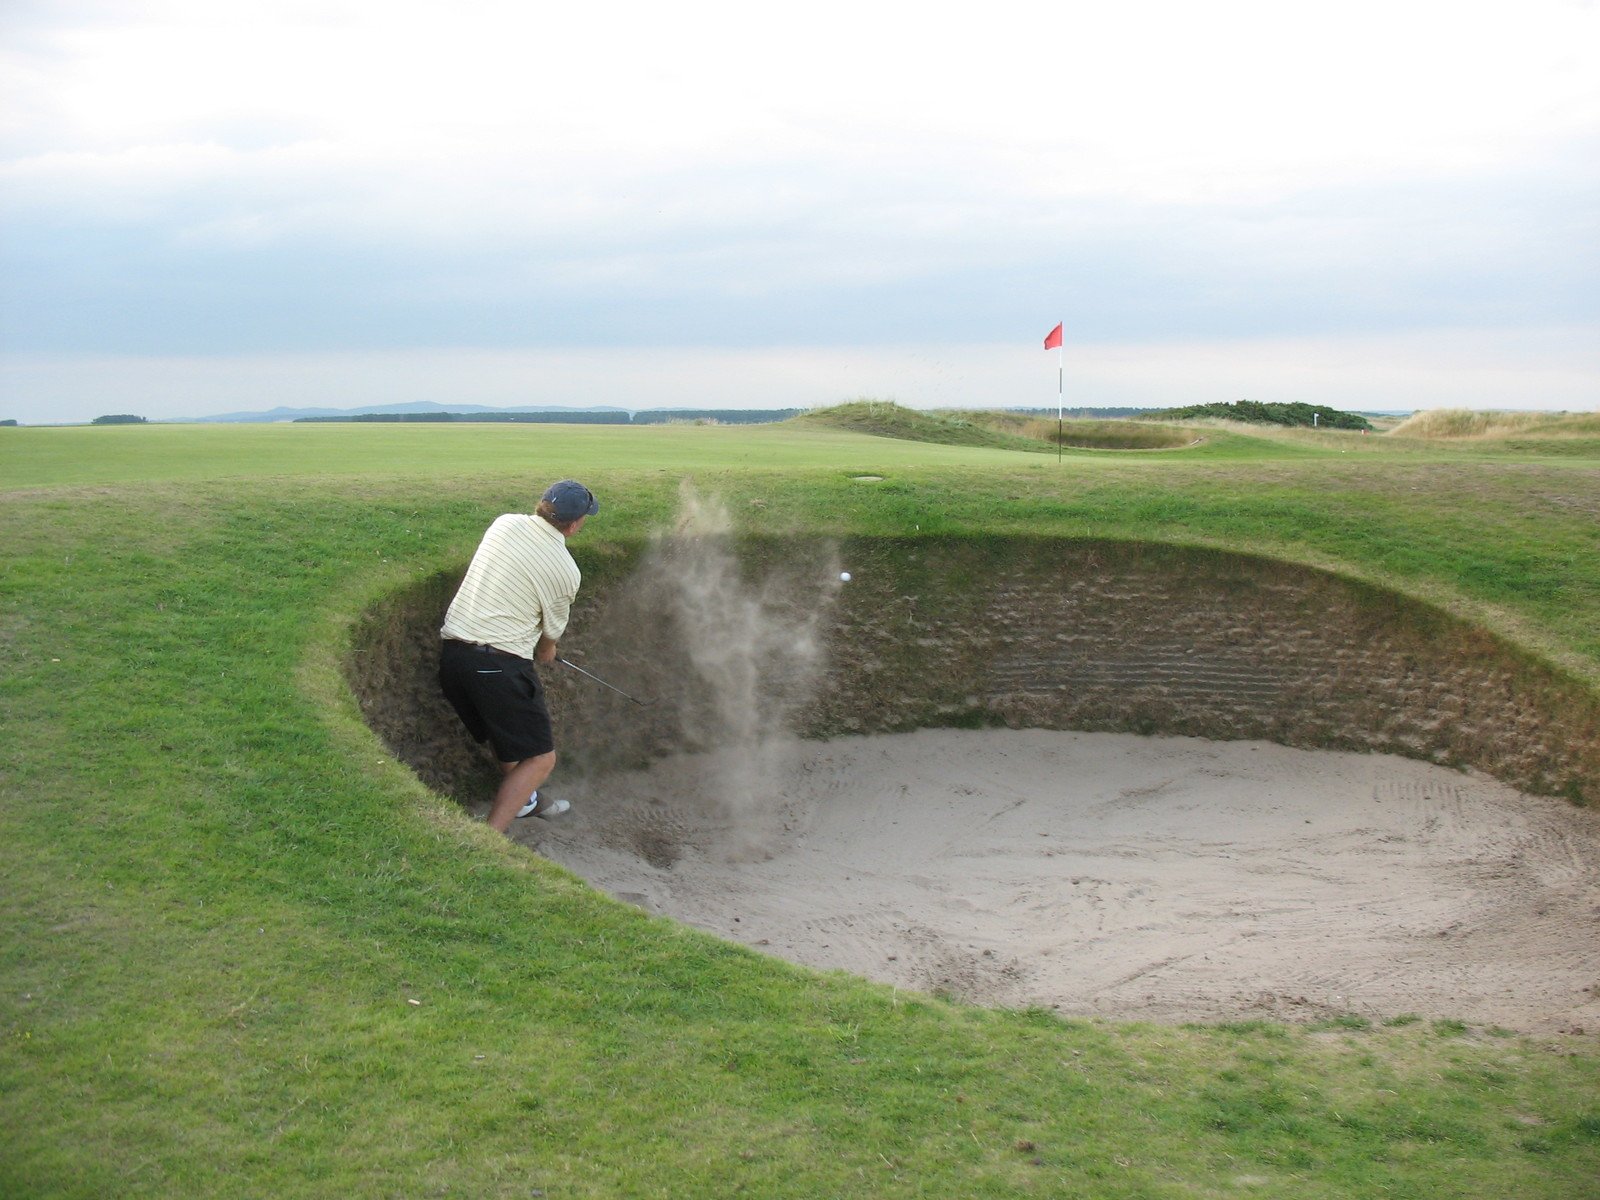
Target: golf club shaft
{"type": "Point", "coordinates": [598, 680]}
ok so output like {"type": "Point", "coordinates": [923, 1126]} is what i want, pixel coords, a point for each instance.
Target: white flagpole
{"type": "Point", "coordinates": [1061, 355]}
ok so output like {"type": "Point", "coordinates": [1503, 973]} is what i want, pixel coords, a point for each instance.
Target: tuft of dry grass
{"type": "Point", "coordinates": [1083, 433]}
{"type": "Point", "coordinates": [1465, 423]}
{"type": "Point", "coordinates": [1112, 435]}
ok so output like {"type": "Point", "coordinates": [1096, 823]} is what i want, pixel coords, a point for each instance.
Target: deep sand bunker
{"type": "Point", "coordinates": [1126, 876]}
{"type": "Point", "coordinates": [1214, 875]}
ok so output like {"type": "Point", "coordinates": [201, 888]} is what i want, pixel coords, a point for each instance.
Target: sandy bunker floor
{"type": "Point", "coordinates": [1109, 874]}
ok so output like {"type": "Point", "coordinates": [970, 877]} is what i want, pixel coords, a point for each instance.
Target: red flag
{"type": "Point", "coordinates": [1054, 338]}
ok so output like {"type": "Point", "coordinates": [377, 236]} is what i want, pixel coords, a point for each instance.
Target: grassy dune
{"type": "Point", "coordinates": [1466, 423]}
{"type": "Point", "coordinates": [1089, 433]}
{"type": "Point", "coordinates": [996, 428]}
{"type": "Point", "coordinates": [882, 418]}
{"type": "Point", "coordinates": [244, 953]}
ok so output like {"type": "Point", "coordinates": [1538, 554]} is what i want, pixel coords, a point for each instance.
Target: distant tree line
{"type": "Point", "coordinates": [721, 416]}
{"type": "Point", "coordinates": [1270, 413]}
{"type": "Point", "coordinates": [120, 419]}
{"type": "Point", "coordinates": [8, 423]}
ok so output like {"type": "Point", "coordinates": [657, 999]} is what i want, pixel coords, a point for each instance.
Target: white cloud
{"type": "Point", "coordinates": [1151, 101]}
{"type": "Point", "coordinates": [1232, 168]}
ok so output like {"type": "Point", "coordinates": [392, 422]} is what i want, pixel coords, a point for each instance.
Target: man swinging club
{"type": "Point", "coordinates": [509, 613]}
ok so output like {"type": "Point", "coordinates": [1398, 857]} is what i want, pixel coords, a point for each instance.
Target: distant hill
{"type": "Point", "coordinates": [414, 406]}
{"type": "Point", "coordinates": [568, 416]}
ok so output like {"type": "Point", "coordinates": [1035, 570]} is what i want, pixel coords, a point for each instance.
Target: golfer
{"type": "Point", "coordinates": [509, 613]}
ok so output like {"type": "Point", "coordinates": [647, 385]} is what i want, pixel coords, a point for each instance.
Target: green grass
{"type": "Point", "coordinates": [243, 953]}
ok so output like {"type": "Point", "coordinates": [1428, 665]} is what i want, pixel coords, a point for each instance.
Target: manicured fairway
{"type": "Point", "coordinates": [159, 453]}
{"type": "Point", "coordinates": [244, 953]}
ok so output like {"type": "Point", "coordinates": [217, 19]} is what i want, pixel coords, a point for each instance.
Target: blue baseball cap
{"type": "Point", "coordinates": [571, 500]}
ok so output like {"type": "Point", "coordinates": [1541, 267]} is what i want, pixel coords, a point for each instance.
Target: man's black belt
{"type": "Point", "coordinates": [484, 646]}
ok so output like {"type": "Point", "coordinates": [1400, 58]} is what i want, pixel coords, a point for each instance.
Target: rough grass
{"type": "Point", "coordinates": [244, 953]}
{"type": "Point", "coordinates": [1466, 423]}
{"type": "Point", "coordinates": [1086, 433]}
{"type": "Point", "coordinates": [884, 418]}
{"type": "Point", "coordinates": [996, 428]}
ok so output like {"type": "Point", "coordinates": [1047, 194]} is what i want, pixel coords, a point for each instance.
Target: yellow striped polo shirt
{"type": "Point", "coordinates": [521, 583]}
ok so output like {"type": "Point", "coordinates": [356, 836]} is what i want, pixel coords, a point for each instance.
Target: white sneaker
{"type": "Point", "coordinates": [550, 808]}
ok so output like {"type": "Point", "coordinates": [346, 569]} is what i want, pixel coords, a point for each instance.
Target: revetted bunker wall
{"type": "Point", "coordinates": [1032, 633]}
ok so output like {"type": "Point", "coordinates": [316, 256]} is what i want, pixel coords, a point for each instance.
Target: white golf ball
{"type": "Point", "coordinates": [844, 576]}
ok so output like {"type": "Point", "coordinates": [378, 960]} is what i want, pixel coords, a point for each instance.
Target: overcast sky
{"type": "Point", "coordinates": [1375, 204]}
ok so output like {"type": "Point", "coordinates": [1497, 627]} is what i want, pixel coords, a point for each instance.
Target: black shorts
{"type": "Point", "coordinates": [499, 698]}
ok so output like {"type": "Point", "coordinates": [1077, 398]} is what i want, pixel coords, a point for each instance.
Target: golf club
{"type": "Point", "coordinates": [602, 682]}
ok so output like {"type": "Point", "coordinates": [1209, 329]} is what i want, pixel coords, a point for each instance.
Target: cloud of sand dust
{"type": "Point", "coordinates": [748, 653]}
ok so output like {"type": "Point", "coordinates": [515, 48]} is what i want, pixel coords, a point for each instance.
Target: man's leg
{"type": "Point", "coordinates": [521, 780]}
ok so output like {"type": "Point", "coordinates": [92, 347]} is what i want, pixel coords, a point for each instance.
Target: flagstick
{"type": "Point", "coordinates": [1061, 354]}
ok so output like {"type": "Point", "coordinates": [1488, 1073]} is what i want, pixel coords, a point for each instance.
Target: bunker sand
{"type": "Point", "coordinates": [1168, 879]}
